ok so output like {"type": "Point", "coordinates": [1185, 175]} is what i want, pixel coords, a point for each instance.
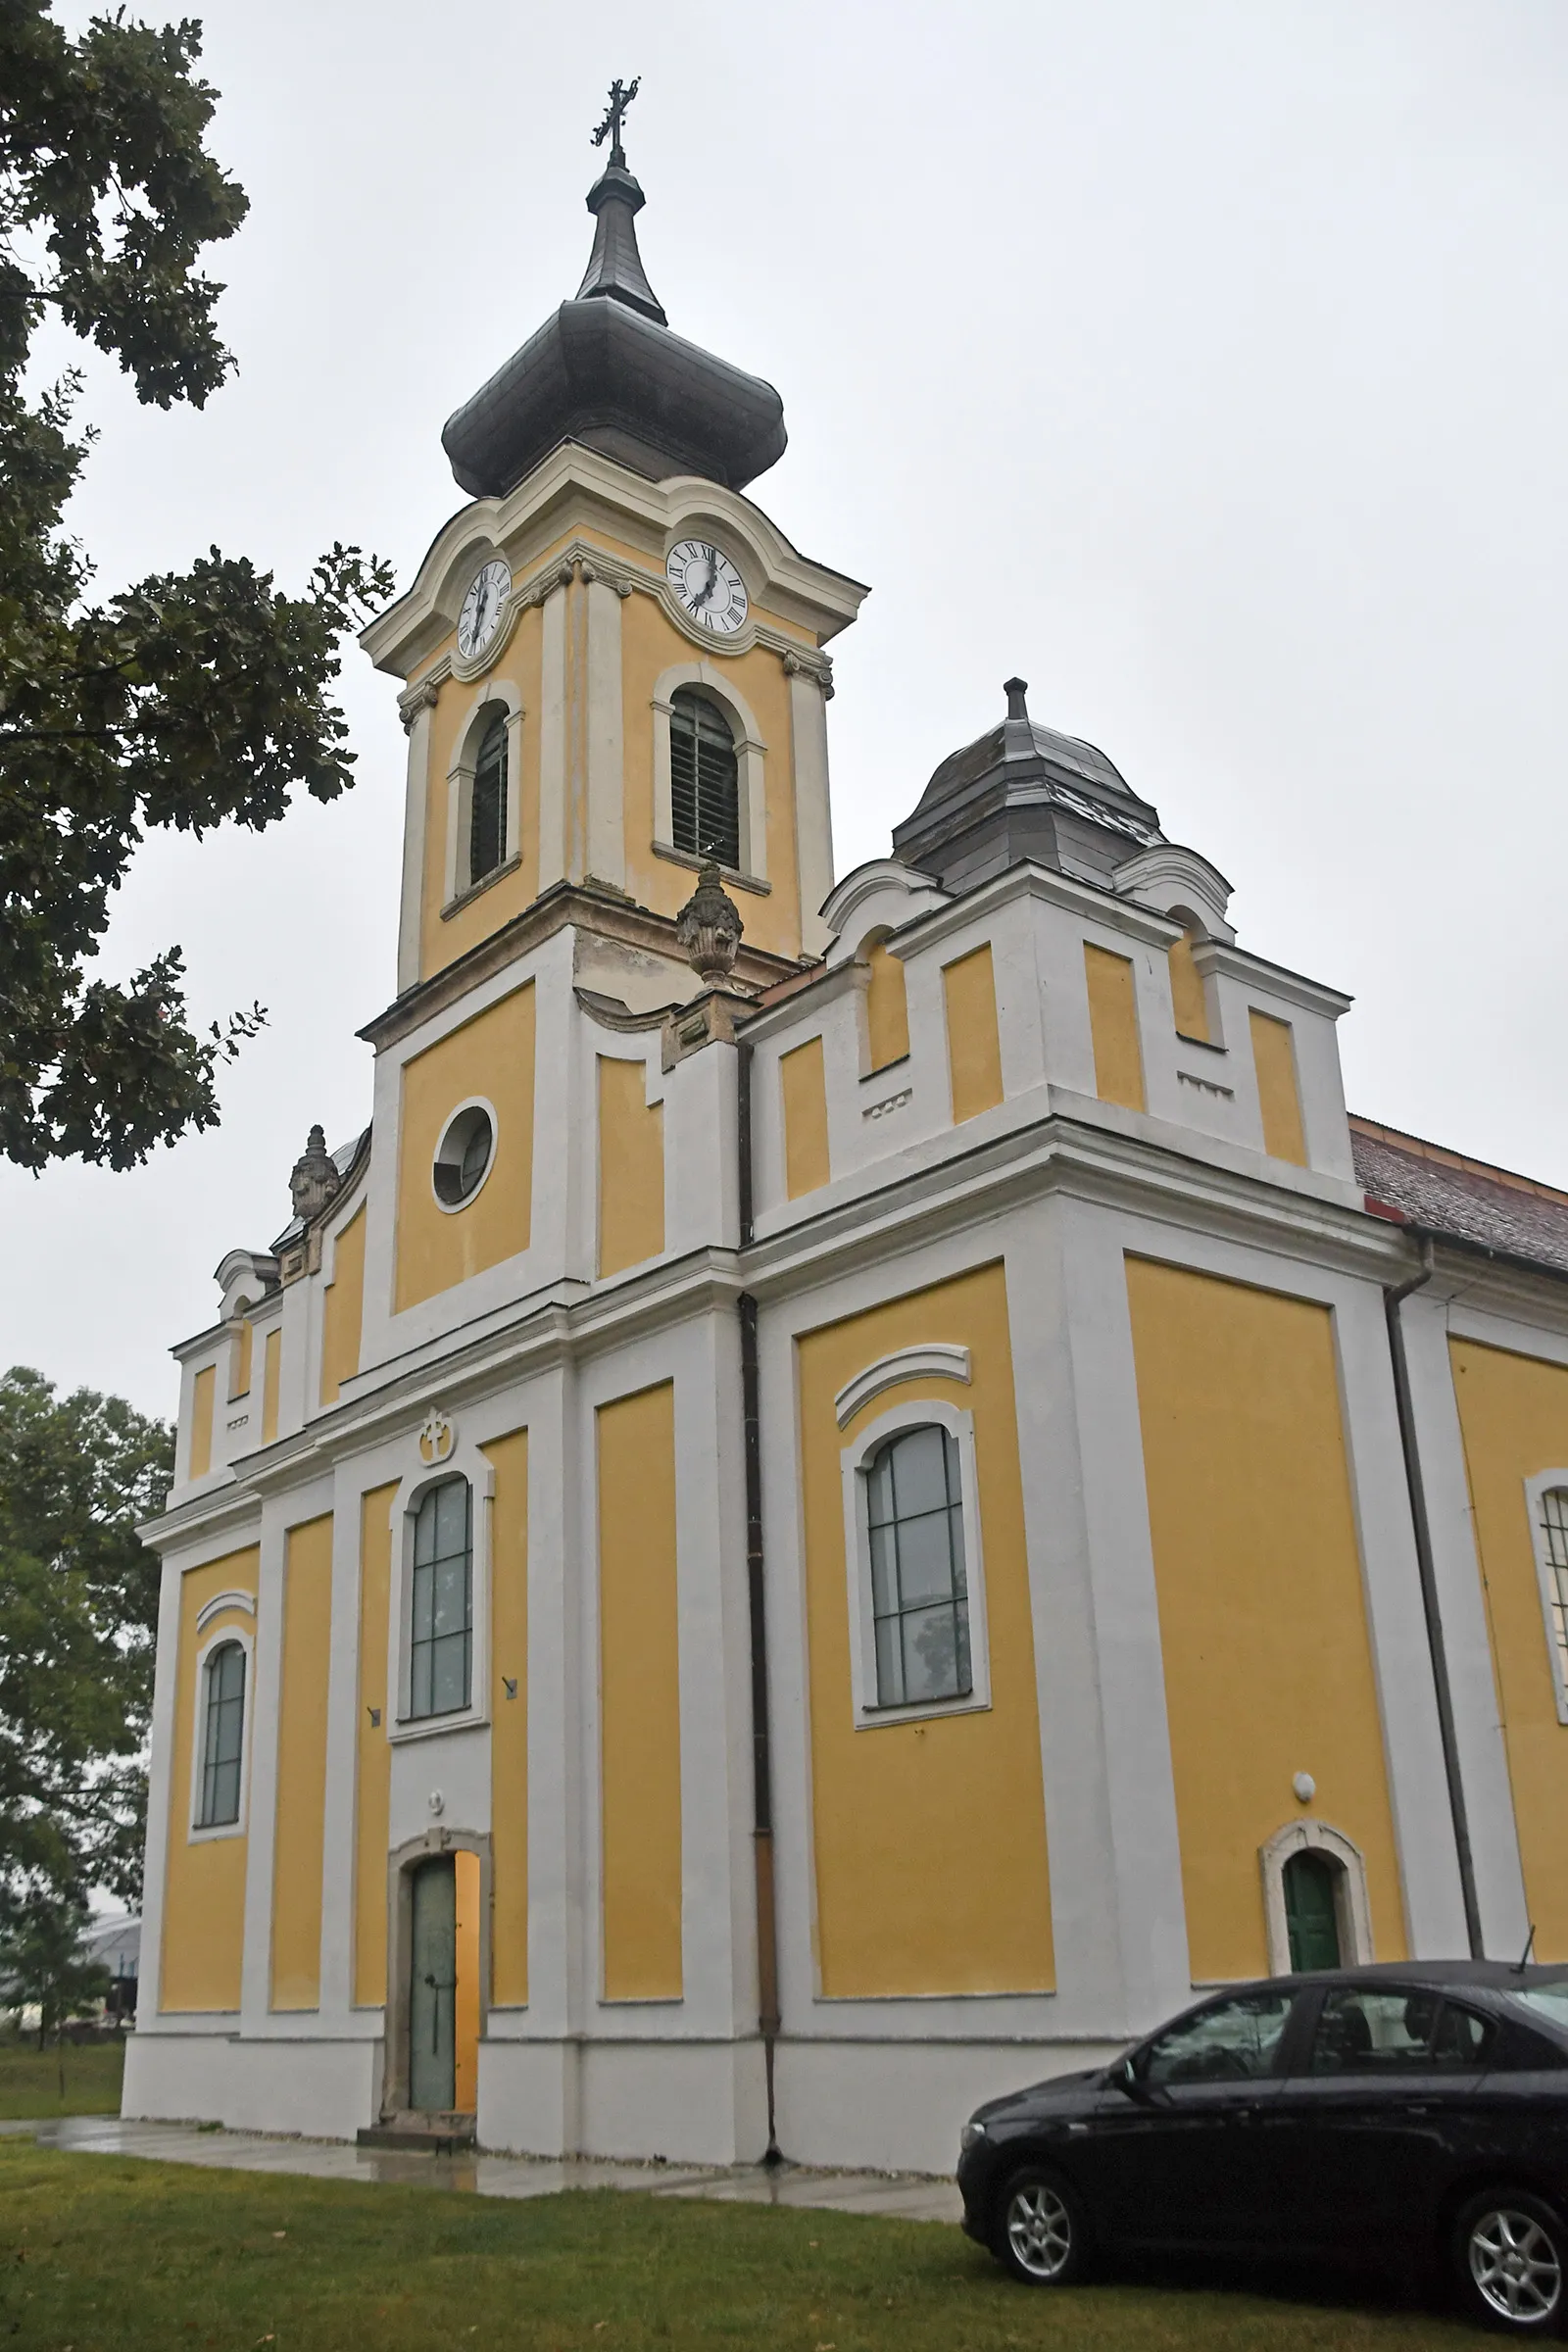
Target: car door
{"type": "Point", "coordinates": [1367, 2135]}
{"type": "Point", "coordinates": [1176, 2158]}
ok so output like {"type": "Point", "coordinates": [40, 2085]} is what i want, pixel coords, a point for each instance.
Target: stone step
{"type": "Point", "coordinates": [419, 2134]}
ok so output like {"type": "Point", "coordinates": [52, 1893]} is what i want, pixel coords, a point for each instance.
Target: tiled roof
{"type": "Point", "coordinates": [1467, 1199]}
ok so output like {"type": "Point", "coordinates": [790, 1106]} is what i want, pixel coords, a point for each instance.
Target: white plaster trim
{"type": "Point", "coordinates": [936, 1360]}
{"type": "Point", "coordinates": [1537, 1488]}
{"type": "Point", "coordinates": [750, 751]}
{"type": "Point", "coordinates": [454, 1208]}
{"type": "Point", "coordinates": [918, 1413]}
{"type": "Point", "coordinates": [464, 1461]}
{"type": "Point", "coordinates": [195, 1833]}
{"type": "Point", "coordinates": [224, 1600]}
{"type": "Point", "coordinates": [1352, 1910]}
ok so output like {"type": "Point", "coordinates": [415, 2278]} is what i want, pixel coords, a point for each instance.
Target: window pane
{"type": "Point", "coordinates": [449, 1674]}
{"type": "Point", "coordinates": [452, 1517]}
{"type": "Point", "coordinates": [889, 1664]}
{"type": "Point", "coordinates": [451, 1580]}
{"type": "Point", "coordinates": [419, 1681]}
{"type": "Point", "coordinates": [423, 1609]}
{"type": "Point", "coordinates": [926, 1559]}
{"type": "Point", "coordinates": [1362, 2032]}
{"type": "Point", "coordinates": [884, 1572]}
{"type": "Point", "coordinates": [879, 1488]}
{"type": "Point", "coordinates": [424, 1529]}
{"type": "Point", "coordinates": [1230, 2043]}
{"type": "Point", "coordinates": [920, 1471]}
{"type": "Point", "coordinates": [930, 1654]}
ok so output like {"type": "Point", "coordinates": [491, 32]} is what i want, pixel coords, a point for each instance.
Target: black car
{"type": "Point", "coordinates": [1392, 2115]}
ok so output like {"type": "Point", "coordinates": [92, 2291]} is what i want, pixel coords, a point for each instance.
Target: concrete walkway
{"type": "Point", "coordinates": [909, 2196]}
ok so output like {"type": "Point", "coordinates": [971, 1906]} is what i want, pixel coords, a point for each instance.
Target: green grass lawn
{"type": "Point", "coordinates": [29, 2078]}
{"type": "Point", "coordinates": [107, 2254]}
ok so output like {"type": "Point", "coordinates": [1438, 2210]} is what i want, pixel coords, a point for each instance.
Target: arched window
{"type": "Point", "coordinates": [703, 780]}
{"type": "Point", "coordinates": [1555, 1537]}
{"type": "Point", "coordinates": [1312, 1910]}
{"type": "Point", "coordinates": [919, 1596]}
{"type": "Point", "coordinates": [487, 822]}
{"type": "Point", "coordinates": [223, 1735]}
{"type": "Point", "coordinates": [441, 1634]}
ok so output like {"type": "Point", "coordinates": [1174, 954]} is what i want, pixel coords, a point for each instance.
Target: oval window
{"type": "Point", "coordinates": [463, 1154]}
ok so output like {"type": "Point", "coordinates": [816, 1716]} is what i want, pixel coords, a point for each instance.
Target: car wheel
{"type": "Point", "coordinates": [1040, 2233]}
{"type": "Point", "coordinates": [1510, 2255]}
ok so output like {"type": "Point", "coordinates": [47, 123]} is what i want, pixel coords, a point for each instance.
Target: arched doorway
{"type": "Point", "coordinates": [1312, 1911]}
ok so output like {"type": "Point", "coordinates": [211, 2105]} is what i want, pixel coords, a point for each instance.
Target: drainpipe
{"type": "Point", "coordinates": [1393, 1298]}
{"type": "Point", "coordinates": [761, 1758]}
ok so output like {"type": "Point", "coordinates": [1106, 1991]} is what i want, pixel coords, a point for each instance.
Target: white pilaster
{"type": "Point", "coordinates": [814, 815]}
{"type": "Point", "coordinates": [415, 803]}
{"type": "Point", "coordinates": [552, 739]}
{"type": "Point", "coordinates": [607, 845]}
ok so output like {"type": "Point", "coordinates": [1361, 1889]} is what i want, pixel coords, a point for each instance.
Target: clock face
{"type": "Point", "coordinates": [709, 586]}
{"type": "Point", "coordinates": [482, 608]}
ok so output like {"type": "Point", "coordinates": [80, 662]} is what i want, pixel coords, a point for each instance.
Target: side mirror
{"type": "Point", "coordinates": [1125, 2077]}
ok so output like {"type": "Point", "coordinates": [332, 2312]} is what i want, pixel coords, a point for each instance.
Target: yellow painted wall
{"type": "Point", "coordinates": [651, 644]}
{"type": "Point", "coordinates": [271, 1365]}
{"type": "Point", "coordinates": [508, 1719]}
{"type": "Point", "coordinates": [887, 1009]}
{"type": "Point", "coordinates": [200, 1421]}
{"type": "Point", "coordinates": [1113, 1027]}
{"type": "Point", "coordinates": [492, 1056]}
{"type": "Point", "coordinates": [239, 1363]}
{"type": "Point", "coordinates": [803, 1080]}
{"type": "Point", "coordinates": [465, 1995]}
{"type": "Point", "coordinates": [930, 1837]}
{"type": "Point", "coordinates": [974, 1048]}
{"type": "Point", "coordinates": [1268, 1665]}
{"type": "Point", "coordinates": [1513, 1412]}
{"type": "Point", "coordinates": [373, 1759]}
{"type": "Point", "coordinates": [1274, 1059]}
{"type": "Point", "coordinates": [204, 1884]}
{"type": "Point", "coordinates": [639, 1683]}
{"type": "Point", "coordinates": [1189, 999]}
{"type": "Point", "coordinates": [631, 1167]}
{"type": "Point", "coordinates": [343, 1308]}
{"type": "Point", "coordinates": [443, 942]}
{"type": "Point", "coordinates": [297, 1844]}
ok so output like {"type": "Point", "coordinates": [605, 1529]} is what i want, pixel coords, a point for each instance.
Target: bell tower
{"type": "Point", "coordinates": [613, 662]}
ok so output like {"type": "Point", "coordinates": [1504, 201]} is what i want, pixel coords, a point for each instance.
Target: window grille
{"type": "Point", "coordinates": [920, 1598]}
{"type": "Point", "coordinates": [441, 1647]}
{"type": "Point", "coordinates": [703, 780]}
{"type": "Point", "coordinates": [222, 1737]}
{"type": "Point", "coordinates": [487, 827]}
{"type": "Point", "coordinates": [1554, 1527]}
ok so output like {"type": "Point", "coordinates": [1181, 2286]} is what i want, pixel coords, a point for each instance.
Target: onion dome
{"type": "Point", "coordinates": [606, 371]}
{"type": "Point", "coordinates": [1023, 791]}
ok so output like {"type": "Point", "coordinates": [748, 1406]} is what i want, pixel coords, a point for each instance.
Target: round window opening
{"type": "Point", "coordinates": [463, 1154]}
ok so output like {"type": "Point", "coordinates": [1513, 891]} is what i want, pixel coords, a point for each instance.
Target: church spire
{"type": "Point", "coordinates": [616, 266]}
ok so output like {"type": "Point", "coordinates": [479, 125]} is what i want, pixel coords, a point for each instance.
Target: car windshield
{"type": "Point", "coordinates": [1548, 2002]}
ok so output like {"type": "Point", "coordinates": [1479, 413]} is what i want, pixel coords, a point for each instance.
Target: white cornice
{"type": "Point", "coordinates": [1055, 890]}
{"type": "Point", "coordinates": [1292, 988]}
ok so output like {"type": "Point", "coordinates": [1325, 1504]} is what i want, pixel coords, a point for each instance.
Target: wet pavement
{"type": "Point", "coordinates": [909, 2196]}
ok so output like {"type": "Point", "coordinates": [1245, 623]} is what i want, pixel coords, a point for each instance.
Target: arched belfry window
{"type": "Point", "coordinates": [441, 1631]}
{"type": "Point", "coordinates": [487, 819]}
{"type": "Point", "coordinates": [919, 1594]}
{"type": "Point", "coordinates": [703, 780]}
{"type": "Point", "coordinates": [223, 1735]}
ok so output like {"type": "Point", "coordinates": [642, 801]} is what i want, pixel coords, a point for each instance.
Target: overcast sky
{"type": "Point", "coordinates": [1205, 363]}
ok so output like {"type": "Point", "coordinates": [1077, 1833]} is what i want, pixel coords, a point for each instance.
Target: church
{"type": "Point", "coordinates": [859, 1483]}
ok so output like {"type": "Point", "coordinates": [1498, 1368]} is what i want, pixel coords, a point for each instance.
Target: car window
{"type": "Point", "coordinates": [1231, 2043]}
{"type": "Point", "coordinates": [1550, 2003]}
{"type": "Point", "coordinates": [1396, 2030]}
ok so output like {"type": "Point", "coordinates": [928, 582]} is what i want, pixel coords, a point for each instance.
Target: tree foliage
{"type": "Point", "coordinates": [185, 701]}
{"type": "Point", "coordinates": [78, 1614]}
{"type": "Point", "coordinates": [44, 1962]}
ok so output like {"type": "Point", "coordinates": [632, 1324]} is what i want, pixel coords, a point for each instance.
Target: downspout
{"type": "Point", "coordinates": [761, 1757]}
{"type": "Point", "coordinates": [1393, 1298]}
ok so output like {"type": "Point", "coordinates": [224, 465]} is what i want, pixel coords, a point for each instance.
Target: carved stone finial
{"type": "Point", "coordinates": [315, 1178]}
{"type": "Point", "coordinates": [708, 928]}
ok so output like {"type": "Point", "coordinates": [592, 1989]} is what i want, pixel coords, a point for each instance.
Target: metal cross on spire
{"type": "Point", "coordinates": [621, 95]}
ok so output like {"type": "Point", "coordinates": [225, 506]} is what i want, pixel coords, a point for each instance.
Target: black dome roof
{"type": "Point", "coordinates": [606, 369]}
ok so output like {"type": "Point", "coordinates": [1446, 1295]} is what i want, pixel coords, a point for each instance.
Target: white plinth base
{"type": "Point", "coordinates": [688, 2102]}
{"type": "Point", "coordinates": [323, 2090]}
{"type": "Point", "coordinates": [899, 2106]}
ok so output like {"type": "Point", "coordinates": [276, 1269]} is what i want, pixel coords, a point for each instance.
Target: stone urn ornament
{"type": "Point", "coordinates": [708, 928]}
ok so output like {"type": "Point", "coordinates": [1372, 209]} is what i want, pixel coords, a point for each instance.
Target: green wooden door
{"type": "Point", "coordinates": [432, 2040]}
{"type": "Point", "coordinates": [1310, 1913]}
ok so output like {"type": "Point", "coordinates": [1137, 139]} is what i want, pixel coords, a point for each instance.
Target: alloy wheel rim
{"type": "Point", "coordinates": [1040, 2232]}
{"type": "Point", "coordinates": [1516, 2267]}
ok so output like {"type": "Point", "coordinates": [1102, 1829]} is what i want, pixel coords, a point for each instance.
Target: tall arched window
{"type": "Point", "coordinates": [703, 780]}
{"type": "Point", "coordinates": [223, 1735]}
{"type": "Point", "coordinates": [487, 822]}
{"type": "Point", "coordinates": [1554, 1532]}
{"type": "Point", "coordinates": [919, 1596]}
{"type": "Point", "coordinates": [441, 1634]}
{"type": "Point", "coordinates": [1312, 1910]}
